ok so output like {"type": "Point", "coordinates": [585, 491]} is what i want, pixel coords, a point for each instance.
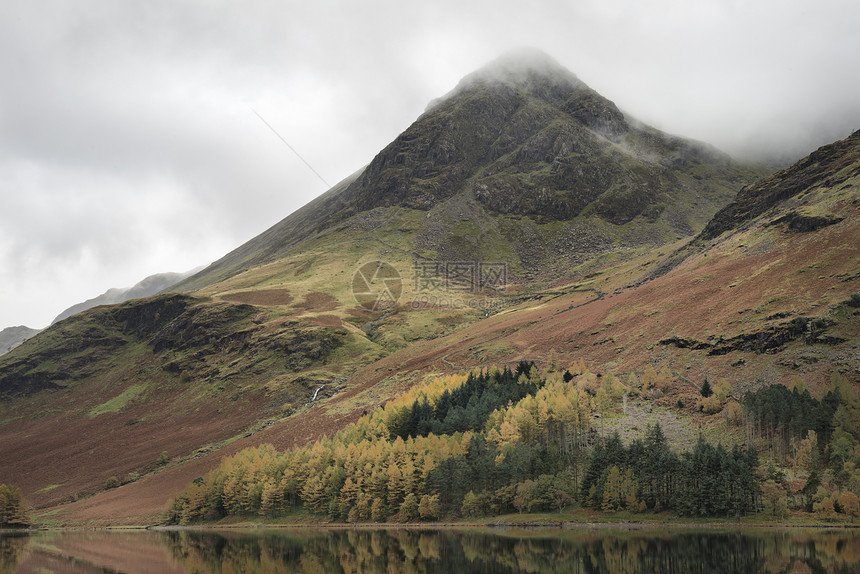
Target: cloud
{"type": "Point", "coordinates": [128, 145]}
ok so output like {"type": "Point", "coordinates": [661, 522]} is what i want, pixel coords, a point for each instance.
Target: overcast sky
{"type": "Point", "coordinates": [129, 144]}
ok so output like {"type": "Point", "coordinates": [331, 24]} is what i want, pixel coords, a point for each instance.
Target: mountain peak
{"type": "Point", "coordinates": [523, 67]}
{"type": "Point", "coordinates": [521, 137]}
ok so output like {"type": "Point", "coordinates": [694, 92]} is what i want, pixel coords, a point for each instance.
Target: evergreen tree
{"type": "Point", "coordinates": [409, 508]}
{"type": "Point", "coordinates": [13, 512]}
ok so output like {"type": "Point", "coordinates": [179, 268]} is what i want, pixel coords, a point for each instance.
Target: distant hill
{"type": "Point", "coordinates": [11, 337]}
{"type": "Point", "coordinates": [149, 286]}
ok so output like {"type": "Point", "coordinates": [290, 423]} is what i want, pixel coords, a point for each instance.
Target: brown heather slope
{"type": "Point", "coordinates": [725, 311]}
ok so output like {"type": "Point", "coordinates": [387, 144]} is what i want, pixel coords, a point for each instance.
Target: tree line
{"type": "Point", "coordinates": [815, 441]}
{"type": "Point", "coordinates": [708, 481]}
{"type": "Point", "coordinates": [490, 442]}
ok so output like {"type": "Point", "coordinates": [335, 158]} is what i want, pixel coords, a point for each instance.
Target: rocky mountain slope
{"type": "Point", "coordinates": [521, 164]}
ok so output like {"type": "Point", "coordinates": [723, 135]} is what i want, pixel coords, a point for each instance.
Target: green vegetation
{"type": "Point", "coordinates": [709, 481]}
{"type": "Point", "coordinates": [815, 442]}
{"type": "Point", "coordinates": [13, 507]}
{"type": "Point", "coordinates": [119, 401]}
{"type": "Point", "coordinates": [489, 443]}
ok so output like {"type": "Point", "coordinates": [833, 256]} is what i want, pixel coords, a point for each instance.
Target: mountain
{"type": "Point", "coordinates": [145, 288]}
{"type": "Point", "coordinates": [522, 216]}
{"type": "Point", "coordinates": [791, 193]}
{"type": "Point", "coordinates": [11, 337]}
{"type": "Point", "coordinates": [523, 162]}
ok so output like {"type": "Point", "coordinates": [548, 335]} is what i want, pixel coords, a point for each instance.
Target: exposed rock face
{"type": "Point", "coordinates": [201, 339]}
{"type": "Point", "coordinates": [805, 223]}
{"type": "Point", "coordinates": [827, 166]}
{"type": "Point", "coordinates": [527, 137]}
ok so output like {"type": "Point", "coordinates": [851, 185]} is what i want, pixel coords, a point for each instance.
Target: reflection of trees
{"type": "Point", "coordinates": [583, 552]}
{"type": "Point", "coordinates": [11, 551]}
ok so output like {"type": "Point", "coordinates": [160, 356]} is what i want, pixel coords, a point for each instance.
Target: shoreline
{"type": "Point", "coordinates": [555, 526]}
{"type": "Point", "coordinates": [499, 523]}
{"type": "Point", "coordinates": [493, 526]}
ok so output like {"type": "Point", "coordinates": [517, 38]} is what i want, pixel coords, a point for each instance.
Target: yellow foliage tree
{"type": "Point", "coordinates": [849, 504]}
{"type": "Point", "coordinates": [13, 508]}
{"type": "Point", "coordinates": [649, 378]}
{"type": "Point", "coordinates": [613, 490]}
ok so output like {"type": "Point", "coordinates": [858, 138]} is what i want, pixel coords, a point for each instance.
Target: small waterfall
{"type": "Point", "coordinates": [315, 393]}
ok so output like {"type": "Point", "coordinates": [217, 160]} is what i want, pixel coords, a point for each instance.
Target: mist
{"type": "Point", "coordinates": [129, 144]}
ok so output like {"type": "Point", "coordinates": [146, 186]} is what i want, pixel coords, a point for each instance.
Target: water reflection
{"type": "Point", "coordinates": [11, 550]}
{"type": "Point", "coordinates": [428, 551]}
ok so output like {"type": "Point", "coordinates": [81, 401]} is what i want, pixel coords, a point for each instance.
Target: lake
{"type": "Point", "coordinates": [449, 551]}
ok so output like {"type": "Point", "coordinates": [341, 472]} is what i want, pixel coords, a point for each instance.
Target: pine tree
{"type": "Point", "coordinates": [613, 494]}
{"type": "Point", "coordinates": [272, 498]}
{"type": "Point", "coordinates": [628, 488]}
{"type": "Point", "coordinates": [13, 511]}
{"type": "Point", "coordinates": [313, 494]}
{"type": "Point", "coordinates": [378, 512]}
{"type": "Point", "coordinates": [706, 390]}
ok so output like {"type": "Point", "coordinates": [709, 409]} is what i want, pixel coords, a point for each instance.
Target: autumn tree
{"type": "Point", "coordinates": [774, 497]}
{"type": "Point", "coordinates": [849, 504]}
{"type": "Point", "coordinates": [409, 508]}
{"type": "Point", "coordinates": [13, 508]}
{"type": "Point", "coordinates": [649, 379]}
{"type": "Point", "coordinates": [613, 490]}
{"type": "Point", "coordinates": [428, 507]}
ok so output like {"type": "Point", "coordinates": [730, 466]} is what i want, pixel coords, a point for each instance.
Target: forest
{"type": "Point", "coordinates": [501, 441]}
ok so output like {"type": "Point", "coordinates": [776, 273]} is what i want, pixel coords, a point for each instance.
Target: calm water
{"type": "Point", "coordinates": [444, 551]}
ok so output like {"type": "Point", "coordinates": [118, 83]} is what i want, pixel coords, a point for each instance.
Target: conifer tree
{"type": "Point", "coordinates": [613, 490]}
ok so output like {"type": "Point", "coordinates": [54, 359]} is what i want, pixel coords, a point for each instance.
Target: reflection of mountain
{"type": "Point", "coordinates": [149, 286]}
{"type": "Point", "coordinates": [87, 552]}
